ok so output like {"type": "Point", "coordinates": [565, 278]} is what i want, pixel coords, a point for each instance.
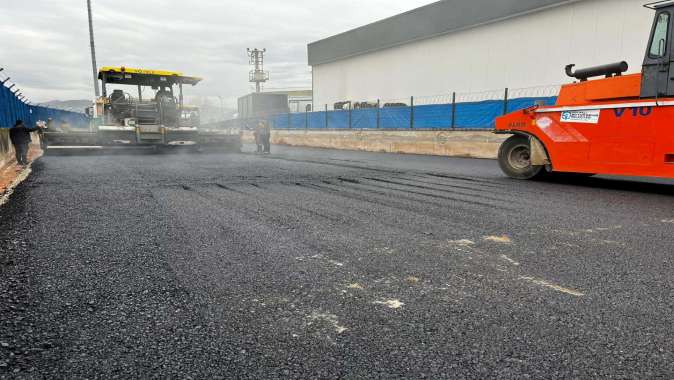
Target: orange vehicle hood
{"type": "Point", "coordinates": [600, 90]}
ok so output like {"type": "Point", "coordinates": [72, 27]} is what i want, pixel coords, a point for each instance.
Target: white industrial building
{"type": "Point", "coordinates": [470, 46]}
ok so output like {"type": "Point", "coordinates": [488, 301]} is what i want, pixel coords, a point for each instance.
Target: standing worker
{"type": "Point", "coordinates": [266, 137]}
{"type": "Point", "coordinates": [40, 126]}
{"type": "Point", "coordinates": [20, 137]}
{"type": "Point", "coordinates": [258, 137]}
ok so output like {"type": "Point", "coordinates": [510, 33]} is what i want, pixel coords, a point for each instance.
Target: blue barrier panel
{"type": "Point", "coordinates": [522, 103]}
{"type": "Point", "coordinates": [478, 115]}
{"type": "Point", "coordinates": [338, 119]}
{"type": "Point", "coordinates": [298, 120]}
{"type": "Point", "coordinates": [364, 118]}
{"type": "Point", "coordinates": [12, 109]}
{"type": "Point", "coordinates": [469, 115]}
{"type": "Point", "coordinates": [279, 121]}
{"type": "Point", "coordinates": [316, 120]}
{"type": "Point", "coordinates": [395, 117]}
{"type": "Point", "coordinates": [433, 116]}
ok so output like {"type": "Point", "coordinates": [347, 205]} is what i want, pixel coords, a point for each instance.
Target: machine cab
{"type": "Point", "coordinates": [658, 68]}
{"type": "Point", "coordinates": [164, 108]}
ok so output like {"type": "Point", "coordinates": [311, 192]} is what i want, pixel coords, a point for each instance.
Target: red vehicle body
{"type": "Point", "coordinates": [618, 125]}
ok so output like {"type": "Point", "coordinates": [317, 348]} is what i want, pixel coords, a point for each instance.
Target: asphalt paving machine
{"type": "Point", "coordinates": [120, 119]}
{"type": "Point", "coordinates": [616, 125]}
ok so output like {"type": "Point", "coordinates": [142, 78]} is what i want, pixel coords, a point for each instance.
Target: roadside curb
{"type": "Point", "coordinates": [10, 177]}
{"type": "Point", "coordinates": [21, 176]}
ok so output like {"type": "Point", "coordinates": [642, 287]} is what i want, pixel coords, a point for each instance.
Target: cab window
{"type": "Point", "coordinates": [660, 36]}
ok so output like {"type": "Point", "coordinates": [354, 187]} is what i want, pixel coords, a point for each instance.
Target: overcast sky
{"type": "Point", "coordinates": [45, 48]}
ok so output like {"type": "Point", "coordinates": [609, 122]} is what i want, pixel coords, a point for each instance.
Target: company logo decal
{"type": "Point", "coordinates": [586, 117]}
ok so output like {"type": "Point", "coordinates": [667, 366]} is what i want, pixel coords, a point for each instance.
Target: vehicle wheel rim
{"type": "Point", "coordinates": [519, 157]}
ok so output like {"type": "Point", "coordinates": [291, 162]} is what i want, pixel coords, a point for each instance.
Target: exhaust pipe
{"type": "Point", "coordinates": [609, 70]}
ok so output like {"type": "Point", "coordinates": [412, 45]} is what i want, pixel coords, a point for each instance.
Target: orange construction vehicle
{"type": "Point", "coordinates": [617, 125]}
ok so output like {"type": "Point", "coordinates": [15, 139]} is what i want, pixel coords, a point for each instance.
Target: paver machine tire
{"type": "Point", "coordinates": [514, 157]}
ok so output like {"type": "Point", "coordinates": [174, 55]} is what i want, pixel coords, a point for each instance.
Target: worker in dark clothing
{"type": "Point", "coordinates": [266, 137]}
{"type": "Point", "coordinates": [258, 137]}
{"type": "Point", "coordinates": [40, 127]}
{"type": "Point", "coordinates": [20, 137]}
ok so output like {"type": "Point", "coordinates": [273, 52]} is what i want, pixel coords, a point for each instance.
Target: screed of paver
{"type": "Point", "coordinates": [330, 319]}
{"type": "Point", "coordinates": [552, 286]}
{"type": "Point", "coordinates": [391, 304]}
{"type": "Point", "coordinates": [498, 239]}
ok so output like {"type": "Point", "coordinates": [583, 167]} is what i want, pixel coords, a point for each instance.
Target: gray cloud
{"type": "Point", "coordinates": [45, 46]}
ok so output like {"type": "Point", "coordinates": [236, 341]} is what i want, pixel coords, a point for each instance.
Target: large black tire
{"type": "Point", "coordinates": [514, 157]}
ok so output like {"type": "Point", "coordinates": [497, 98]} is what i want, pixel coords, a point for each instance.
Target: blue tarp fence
{"type": "Point", "coordinates": [12, 109]}
{"type": "Point", "coordinates": [465, 115]}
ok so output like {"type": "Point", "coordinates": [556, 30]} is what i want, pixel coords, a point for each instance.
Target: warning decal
{"type": "Point", "coordinates": [587, 117]}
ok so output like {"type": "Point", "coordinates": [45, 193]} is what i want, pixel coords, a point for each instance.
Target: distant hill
{"type": "Point", "coordinates": [69, 105]}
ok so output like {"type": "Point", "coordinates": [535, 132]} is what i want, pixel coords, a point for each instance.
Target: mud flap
{"type": "Point", "coordinates": [539, 156]}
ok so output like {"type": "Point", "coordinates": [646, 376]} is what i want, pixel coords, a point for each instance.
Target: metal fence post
{"type": "Point", "coordinates": [350, 115]}
{"type": "Point", "coordinates": [412, 112]}
{"type": "Point", "coordinates": [290, 121]}
{"type": "Point", "coordinates": [306, 118]}
{"type": "Point", "coordinates": [453, 110]}
{"type": "Point", "coordinates": [378, 113]}
{"type": "Point", "coordinates": [327, 123]}
{"type": "Point", "coordinates": [505, 102]}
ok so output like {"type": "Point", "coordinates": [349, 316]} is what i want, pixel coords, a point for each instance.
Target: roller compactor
{"type": "Point", "coordinates": [616, 125]}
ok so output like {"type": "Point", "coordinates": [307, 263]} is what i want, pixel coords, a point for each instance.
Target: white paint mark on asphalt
{"type": "Point", "coordinates": [670, 221]}
{"type": "Point", "coordinates": [589, 230]}
{"type": "Point", "coordinates": [356, 286]}
{"type": "Point", "coordinates": [462, 242]}
{"type": "Point", "coordinates": [336, 263]}
{"type": "Point", "coordinates": [330, 319]}
{"type": "Point", "coordinates": [552, 286]}
{"type": "Point", "coordinates": [511, 261]}
{"type": "Point", "coordinates": [391, 304]}
{"type": "Point", "coordinates": [611, 228]}
{"type": "Point", "coordinates": [610, 242]}
{"type": "Point", "coordinates": [384, 250]}
{"type": "Point", "coordinates": [498, 239]}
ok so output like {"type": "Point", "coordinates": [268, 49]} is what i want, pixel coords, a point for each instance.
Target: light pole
{"type": "Point", "coordinates": [93, 50]}
{"type": "Point", "coordinates": [222, 108]}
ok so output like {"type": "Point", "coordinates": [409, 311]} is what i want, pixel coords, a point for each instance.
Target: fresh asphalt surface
{"type": "Point", "coordinates": [325, 264]}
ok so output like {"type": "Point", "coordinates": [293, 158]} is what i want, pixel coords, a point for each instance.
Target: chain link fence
{"type": "Point", "coordinates": [465, 111]}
